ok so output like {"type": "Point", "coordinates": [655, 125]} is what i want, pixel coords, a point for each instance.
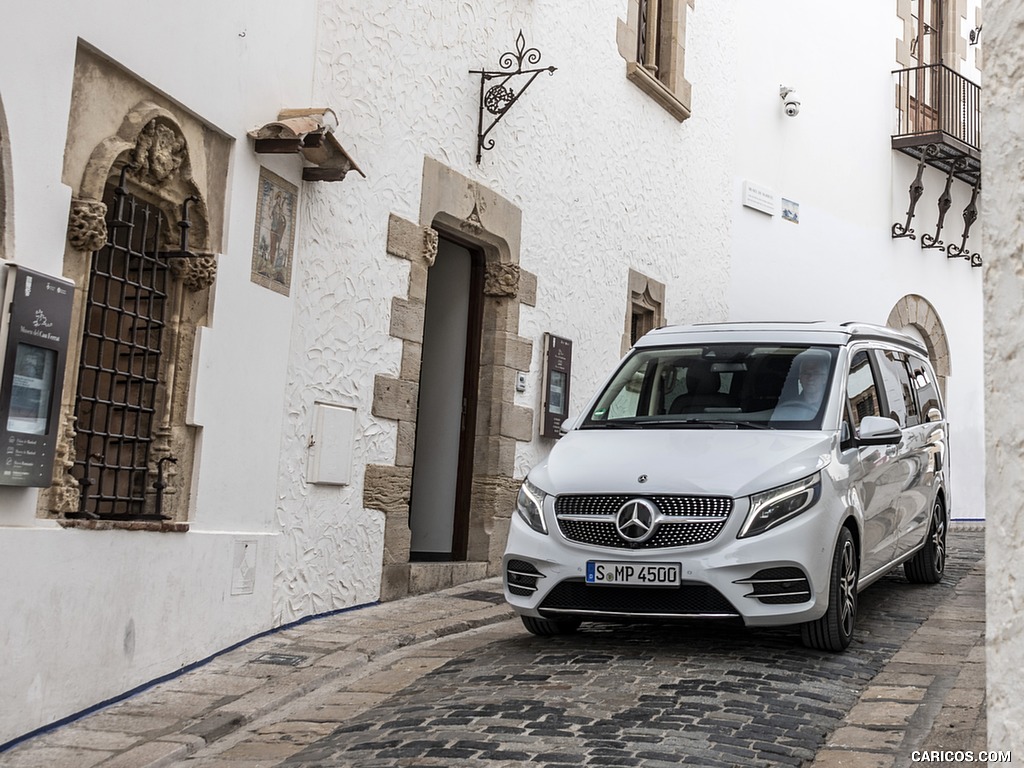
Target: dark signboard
{"type": "Point", "coordinates": [557, 372]}
{"type": "Point", "coordinates": [34, 325]}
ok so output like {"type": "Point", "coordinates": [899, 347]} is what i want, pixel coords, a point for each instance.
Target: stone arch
{"type": "Point", "coordinates": [918, 313]}
{"type": "Point", "coordinates": [456, 206]}
{"type": "Point", "coordinates": [151, 145]}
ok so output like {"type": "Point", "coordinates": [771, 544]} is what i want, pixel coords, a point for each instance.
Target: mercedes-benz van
{"type": "Point", "coordinates": [762, 472]}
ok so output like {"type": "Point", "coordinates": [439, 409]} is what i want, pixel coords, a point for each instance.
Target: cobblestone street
{"type": "Point", "coordinates": [644, 696]}
{"type": "Point", "coordinates": [367, 688]}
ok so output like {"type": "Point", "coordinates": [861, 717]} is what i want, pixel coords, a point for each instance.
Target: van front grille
{"type": "Point", "coordinates": [684, 520]}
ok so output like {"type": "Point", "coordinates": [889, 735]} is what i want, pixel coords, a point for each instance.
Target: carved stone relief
{"type": "Point", "coordinates": [195, 274]}
{"type": "Point", "coordinates": [501, 279]}
{"type": "Point", "coordinates": [87, 225]}
{"type": "Point", "coordinates": [159, 153]}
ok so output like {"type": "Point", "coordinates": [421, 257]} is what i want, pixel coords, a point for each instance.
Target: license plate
{"type": "Point", "coordinates": [604, 572]}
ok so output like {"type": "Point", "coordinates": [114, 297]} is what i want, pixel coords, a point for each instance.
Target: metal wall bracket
{"type": "Point", "coordinates": [954, 251]}
{"type": "Point", "coordinates": [916, 190]}
{"type": "Point", "coordinates": [499, 98]}
{"type": "Point", "coordinates": [944, 203]}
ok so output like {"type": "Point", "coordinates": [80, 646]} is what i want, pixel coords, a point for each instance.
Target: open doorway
{"type": "Point", "coordinates": [446, 414]}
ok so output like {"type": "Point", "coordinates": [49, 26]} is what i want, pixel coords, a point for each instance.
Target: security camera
{"type": "Point", "coordinates": [791, 100]}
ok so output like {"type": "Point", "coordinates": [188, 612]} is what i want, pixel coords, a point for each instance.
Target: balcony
{"type": "Point", "coordinates": [938, 119]}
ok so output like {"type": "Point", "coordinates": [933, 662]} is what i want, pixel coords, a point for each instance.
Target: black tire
{"type": "Point", "coordinates": [928, 565]}
{"type": "Point", "coordinates": [834, 630]}
{"type": "Point", "coordinates": [549, 627]}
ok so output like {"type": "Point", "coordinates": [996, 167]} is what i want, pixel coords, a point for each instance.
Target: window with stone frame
{"type": "Point", "coordinates": [652, 40]}
{"type": "Point", "coordinates": [138, 239]}
{"type": "Point", "coordinates": [645, 308]}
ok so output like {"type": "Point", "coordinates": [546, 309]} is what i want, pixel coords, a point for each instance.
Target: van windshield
{"type": "Point", "coordinates": [737, 386]}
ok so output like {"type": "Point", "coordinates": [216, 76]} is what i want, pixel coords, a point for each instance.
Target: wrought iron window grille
{"type": "Point", "coordinates": [120, 370]}
{"type": "Point", "coordinates": [499, 98]}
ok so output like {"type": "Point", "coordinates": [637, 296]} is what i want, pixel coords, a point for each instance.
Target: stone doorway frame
{"type": "Point", "coordinates": [483, 220]}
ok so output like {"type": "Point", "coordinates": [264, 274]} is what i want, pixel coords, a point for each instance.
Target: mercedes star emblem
{"type": "Point", "coordinates": [635, 521]}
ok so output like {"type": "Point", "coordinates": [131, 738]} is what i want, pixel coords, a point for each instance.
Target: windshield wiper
{"type": "Point", "coordinates": [613, 424]}
{"type": "Point", "coordinates": [686, 423]}
{"type": "Point", "coordinates": [753, 424]}
{"type": "Point", "coordinates": [641, 423]}
{"type": "Point", "coordinates": [708, 423]}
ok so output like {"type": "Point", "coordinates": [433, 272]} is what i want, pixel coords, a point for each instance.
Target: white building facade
{"type": "Point", "coordinates": [355, 296]}
{"type": "Point", "coordinates": [839, 192]}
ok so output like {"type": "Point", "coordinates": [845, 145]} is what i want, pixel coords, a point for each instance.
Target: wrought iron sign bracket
{"type": "Point", "coordinates": [499, 98]}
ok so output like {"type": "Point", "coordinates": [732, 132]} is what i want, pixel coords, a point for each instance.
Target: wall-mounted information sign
{"type": "Point", "coordinates": [557, 373]}
{"type": "Point", "coordinates": [34, 324]}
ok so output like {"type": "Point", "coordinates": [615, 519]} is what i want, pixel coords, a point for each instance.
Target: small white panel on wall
{"type": "Point", "coordinates": [330, 445]}
{"type": "Point", "coordinates": [760, 198]}
{"type": "Point", "coordinates": [243, 572]}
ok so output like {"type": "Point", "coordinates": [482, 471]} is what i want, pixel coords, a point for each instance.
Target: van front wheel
{"type": "Point", "coordinates": [834, 630]}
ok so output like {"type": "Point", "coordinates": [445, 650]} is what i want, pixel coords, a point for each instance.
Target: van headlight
{"type": "Point", "coordinates": [530, 506]}
{"type": "Point", "coordinates": [771, 508]}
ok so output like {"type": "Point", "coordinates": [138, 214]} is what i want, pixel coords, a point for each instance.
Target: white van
{"type": "Point", "coordinates": [765, 472]}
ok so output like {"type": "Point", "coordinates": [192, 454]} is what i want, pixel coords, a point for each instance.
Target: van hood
{"type": "Point", "coordinates": [711, 462]}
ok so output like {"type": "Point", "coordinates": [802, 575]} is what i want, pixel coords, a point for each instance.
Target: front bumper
{"type": "Point", "coordinates": [777, 578]}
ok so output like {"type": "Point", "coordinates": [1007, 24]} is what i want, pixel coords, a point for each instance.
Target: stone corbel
{"type": "Point", "coordinates": [195, 273]}
{"type": "Point", "coordinates": [501, 280]}
{"type": "Point", "coordinates": [87, 225]}
{"type": "Point", "coordinates": [309, 132]}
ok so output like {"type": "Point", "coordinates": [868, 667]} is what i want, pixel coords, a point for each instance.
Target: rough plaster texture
{"type": "Point", "coordinates": [1004, 326]}
{"type": "Point", "coordinates": [91, 614]}
{"type": "Point", "coordinates": [592, 162]}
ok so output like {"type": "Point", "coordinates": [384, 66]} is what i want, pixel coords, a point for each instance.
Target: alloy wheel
{"type": "Point", "coordinates": [848, 588]}
{"type": "Point", "coordinates": [938, 535]}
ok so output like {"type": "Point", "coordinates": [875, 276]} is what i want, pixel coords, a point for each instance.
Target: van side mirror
{"type": "Point", "coordinates": [879, 430]}
{"type": "Point", "coordinates": [567, 423]}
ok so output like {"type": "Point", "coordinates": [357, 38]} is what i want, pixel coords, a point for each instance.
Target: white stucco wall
{"type": "Point", "coordinates": [1004, 334]}
{"type": "Point", "coordinates": [606, 180]}
{"type": "Point", "coordinates": [91, 614]}
{"type": "Point", "coordinates": [834, 160]}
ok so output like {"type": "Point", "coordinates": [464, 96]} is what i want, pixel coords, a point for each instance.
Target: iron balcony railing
{"type": "Point", "coordinates": [938, 123]}
{"type": "Point", "coordinates": [936, 104]}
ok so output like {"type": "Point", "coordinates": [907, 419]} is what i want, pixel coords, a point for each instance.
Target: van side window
{"type": "Point", "coordinates": [862, 390]}
{"type": "Point", "coordinates": [898, 392]}
{"type": "Point", "coordinates": [924, 383]}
